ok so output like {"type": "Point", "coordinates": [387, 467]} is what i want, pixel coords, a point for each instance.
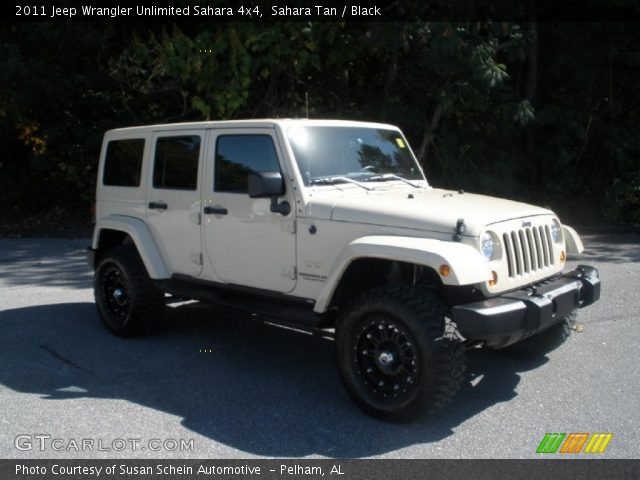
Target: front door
{"type": "Point", "coordinates": [173, 200]}
{"type": "Point", "coordinates": [245, 243]}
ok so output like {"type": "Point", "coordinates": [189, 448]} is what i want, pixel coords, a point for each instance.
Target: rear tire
{"type": "Point", "coordinates": [543, 342]}
{"type": "Point", "coordinates": [128, 302]}
{"type": "Point", "coordinates": [399, 356]}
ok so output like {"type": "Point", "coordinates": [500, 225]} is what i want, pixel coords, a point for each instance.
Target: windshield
{"type": "Point", "coordinates": [328, 155]}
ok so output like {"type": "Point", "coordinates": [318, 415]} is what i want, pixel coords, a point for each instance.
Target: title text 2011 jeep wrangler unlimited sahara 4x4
{"type": "Point", "coordinates": [330, 224]}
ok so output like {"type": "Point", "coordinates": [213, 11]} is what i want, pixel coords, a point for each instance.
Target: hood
{"type": "Point", "coordinates": [434, 210]}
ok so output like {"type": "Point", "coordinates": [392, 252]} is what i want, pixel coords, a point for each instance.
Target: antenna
{"type": "Point", "coordinates": [306, 102]}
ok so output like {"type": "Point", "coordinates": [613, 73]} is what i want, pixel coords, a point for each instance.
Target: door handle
{"type": "Point", "coordinates": [215, 211]}
{"type": "Point", "coordinates": [158, 205]}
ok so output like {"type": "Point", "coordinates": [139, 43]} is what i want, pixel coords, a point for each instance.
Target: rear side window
{"type": "Point", "coordinates": [123, 163]}
{"type": "Point", "coordinates": [237, 155]}
{"type": "Point", "coordinates": [176, 162]}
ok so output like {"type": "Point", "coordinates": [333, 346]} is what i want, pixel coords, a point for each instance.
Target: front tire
{"type": "Point", "coordinates": [399, 356]}
{"type": "Point", "coordinates": [128, 302]}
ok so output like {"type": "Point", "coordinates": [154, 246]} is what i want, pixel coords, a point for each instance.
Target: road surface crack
{"type": "Point", "coordinates": [64, 360]}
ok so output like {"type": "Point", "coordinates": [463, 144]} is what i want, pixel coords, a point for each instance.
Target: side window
{"type": "Point", "coordinates": [176, 162]}
{"type": "Point", "coordinates": [237, 155]}
{"type": "Point", "coordinates": [123, 163]}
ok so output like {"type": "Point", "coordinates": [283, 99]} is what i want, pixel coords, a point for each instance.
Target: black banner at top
{"type": "Point", "coordinates": [325, 11]}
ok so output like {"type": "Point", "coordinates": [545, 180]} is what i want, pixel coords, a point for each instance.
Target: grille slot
{"type": "Point", "coordinates": [528, 250]}
{"type": "Point", "coordinates": [509, 251]}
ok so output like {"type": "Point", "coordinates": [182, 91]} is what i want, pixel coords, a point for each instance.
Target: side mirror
{"type": "Point", "coordinates": [269, 184]}
{"type": "Point", "coordinates": [265, 184]}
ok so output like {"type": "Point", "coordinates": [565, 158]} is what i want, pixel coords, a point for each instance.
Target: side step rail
{"type": "Point", "coordinates": [297, 317]}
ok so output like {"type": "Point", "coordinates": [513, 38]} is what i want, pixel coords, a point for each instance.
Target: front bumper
{"type": "Point", "coordinates": [509, 318]}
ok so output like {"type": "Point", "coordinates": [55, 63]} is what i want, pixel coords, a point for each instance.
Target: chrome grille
{"type": "Point", "coordinates": [528, 250]}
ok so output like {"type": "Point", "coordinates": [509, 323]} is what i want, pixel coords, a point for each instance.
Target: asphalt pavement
{"type": "Point", "coordinates": [214, 384]}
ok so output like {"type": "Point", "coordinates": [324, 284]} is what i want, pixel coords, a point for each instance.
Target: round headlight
{"type": "Point", "coordinates": [487, 245]}
{"type": "Point", "coordinates": [556, 231]}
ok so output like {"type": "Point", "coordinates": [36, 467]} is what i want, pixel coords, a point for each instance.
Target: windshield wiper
{"type": "Point", "coordinates": [392, 176]}
{"type": "Point", "coordinates": [334, 180]}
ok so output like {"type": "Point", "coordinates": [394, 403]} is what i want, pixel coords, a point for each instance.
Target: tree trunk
{"type": "Point", "coordinates": [531, 92]}
{"type": "Point", "coordinates": [392, 74]}
{"type": "Point", "coordinates": [427, 138]}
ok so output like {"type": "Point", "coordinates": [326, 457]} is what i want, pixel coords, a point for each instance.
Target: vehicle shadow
{"type": "Point", "coordinates": [257, 388]}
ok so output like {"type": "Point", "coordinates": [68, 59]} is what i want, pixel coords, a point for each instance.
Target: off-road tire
{"type": "Point", "coordinates": [543, 342]}
{"type": "Point", "coordinates": [409, 314]}
{"type": "Point", "coordinates": [128, 302]}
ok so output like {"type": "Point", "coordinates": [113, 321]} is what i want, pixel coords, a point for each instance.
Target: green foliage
{"type": "Point", "coordinates": [56, 105]}
{"type": "Point", "coordinates": [586, 125]}
{"type": "Point", "coordinates": [545, 113]}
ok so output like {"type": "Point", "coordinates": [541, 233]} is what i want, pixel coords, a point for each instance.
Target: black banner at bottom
{"type": "Point", "coordinates": [317, 469]}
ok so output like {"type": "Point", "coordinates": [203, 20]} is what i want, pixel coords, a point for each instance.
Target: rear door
{"type": "Point", "coordinates": [173, 198]}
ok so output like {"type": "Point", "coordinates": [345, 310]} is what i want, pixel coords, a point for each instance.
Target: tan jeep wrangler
{"type": "Point", "coordinates": [330, 226]}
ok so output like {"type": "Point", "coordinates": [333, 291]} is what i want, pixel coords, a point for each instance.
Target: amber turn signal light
{"type": "Point", "coordinates": [563, 257]}
{"type": "Point", "coordinates": [444, 270]}
{"type": "Point", "coordinates": [494, 279]}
